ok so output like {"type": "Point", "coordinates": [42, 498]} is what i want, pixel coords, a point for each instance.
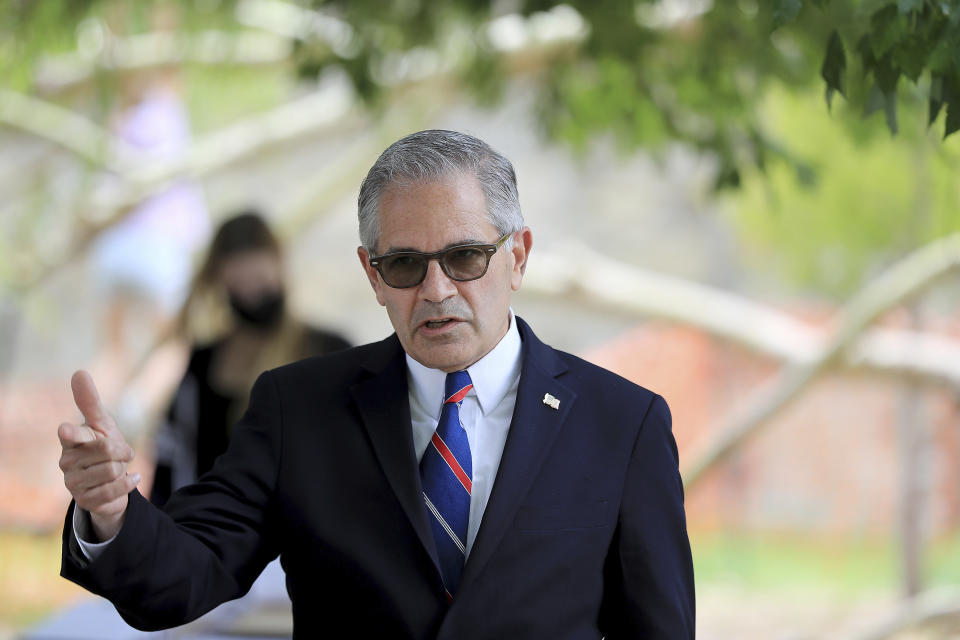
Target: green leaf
{"type": "Point", "coordinates": [875, 101]}
{"type": "Point", "coordinates": [936, 98]}
{"type": "Point", "coordinates": [728, 177]}
{"type": "Point", "coordinates": [951, 97]}
{"type": "Point", "coordinates": [890, 111]}
{"type": "Point", "coordinates": [939, 87]}
{"type": "Point", "coordinates": [943, 55]}
{"type": "Point", "coordinates": [911, 56]}
{"type": "Point", "coordinates": [878, 100]}
{"type": "Point", "coordinates": [786, 11]}
{"type": "Point", "coordinates": [834, 67]}
{"type": "Point", "coordinates": [887, 28]}
{"type": "Point", "coordinates": [865, 49]}
{"type": "Point", "coordinates": [886, 74]}
{"type": "Point", "coordinates": [953, 118]}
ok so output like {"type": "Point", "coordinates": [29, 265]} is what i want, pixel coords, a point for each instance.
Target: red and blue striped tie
{"type": "Point", "coordinates": [446, 470]}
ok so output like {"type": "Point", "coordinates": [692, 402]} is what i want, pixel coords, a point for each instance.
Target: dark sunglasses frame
{"type": "Point", "coordinates": [487, 249]}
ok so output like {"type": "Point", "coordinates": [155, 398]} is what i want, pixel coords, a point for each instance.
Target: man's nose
{"type": "Point", "coordinates": [437, 285]}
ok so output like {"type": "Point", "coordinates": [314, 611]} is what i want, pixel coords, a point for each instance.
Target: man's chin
{"type": "Point", "coordinates": [446, 357]}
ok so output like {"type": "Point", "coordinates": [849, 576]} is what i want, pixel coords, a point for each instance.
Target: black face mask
{"type": "Point", "coordinates": [265, 312]}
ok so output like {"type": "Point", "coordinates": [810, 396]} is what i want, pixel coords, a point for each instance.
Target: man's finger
{"type": "Point", "coordinates": [88, 454]}
{"type": "Point", "coordinates": [79, 480]}
{"type": "Point", "coordinates": [72, 435]}
{"type": "Point", "coordinates": [87, 399]}
{"type": "Point", "coordinates": [102, 498]}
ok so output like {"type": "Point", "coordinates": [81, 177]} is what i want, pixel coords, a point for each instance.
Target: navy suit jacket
{"type": "Point", "coordinates": [584, 535]}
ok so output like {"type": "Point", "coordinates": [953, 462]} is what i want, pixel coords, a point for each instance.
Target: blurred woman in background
{"type": "Point", "coordinates": [239, 294]}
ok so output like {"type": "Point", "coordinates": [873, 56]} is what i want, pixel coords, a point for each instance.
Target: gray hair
{"type": "Point", "coordinates": [433, 155]}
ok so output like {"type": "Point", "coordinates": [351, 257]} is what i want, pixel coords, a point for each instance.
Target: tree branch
{"type": "Point", "coordinates": [905, 279]}
{"type": "Point", "coordinates": [578, 272]}
{"type": "Point", "coordinates": [805, 352]}
{"type": "Point", "coordinates": [108, 205]}
{"type": "Point", "coordinates": [65, 128]}
{"type": "Point", "coordinates": [158, 49]}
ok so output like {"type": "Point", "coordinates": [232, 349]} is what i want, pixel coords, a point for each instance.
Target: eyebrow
{"type": "Point", "coordinates": [458, 243]}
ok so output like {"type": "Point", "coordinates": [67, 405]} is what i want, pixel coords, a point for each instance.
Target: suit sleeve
{"type": "Point", "coordinates": [649, 571]}
{"type": "Point", "coordinates": [208, 545]}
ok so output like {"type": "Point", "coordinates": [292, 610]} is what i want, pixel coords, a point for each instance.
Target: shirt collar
{"type": "Point", "coordinates": [492, 375]}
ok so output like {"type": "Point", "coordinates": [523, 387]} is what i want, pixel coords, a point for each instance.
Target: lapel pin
{"type": "Point", "coordinates": [551, 402]}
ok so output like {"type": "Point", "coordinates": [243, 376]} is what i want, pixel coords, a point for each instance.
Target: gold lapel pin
{"type": "Point", "coordinates": [551, 402]}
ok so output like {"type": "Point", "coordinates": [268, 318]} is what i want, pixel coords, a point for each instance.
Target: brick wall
{"type": "Point", "coordinates": [828, 463]}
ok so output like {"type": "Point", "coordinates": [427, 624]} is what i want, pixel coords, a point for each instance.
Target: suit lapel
{"type": "Point", "coordinates": [384, 406]}
{"type": "Point", "coordinates": [533, 429]}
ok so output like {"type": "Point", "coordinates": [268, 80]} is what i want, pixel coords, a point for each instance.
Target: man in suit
{"type": "Point", "coordinates": [458, 480]}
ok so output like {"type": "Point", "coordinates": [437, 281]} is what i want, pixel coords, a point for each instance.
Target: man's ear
{"type": "Point", "coordinates": [522, 244]}
{"type": "Point", "coordinates": [372, 275]}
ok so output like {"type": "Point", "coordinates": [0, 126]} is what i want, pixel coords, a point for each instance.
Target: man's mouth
{"type": "Point", "coordinates": [436, 324]}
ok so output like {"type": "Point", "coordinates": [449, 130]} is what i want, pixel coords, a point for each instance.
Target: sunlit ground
{"type": "Point", "coordinates": [748, 584]}
{"type": "Point", "coordinates": [788, 586]}
{"type": "Point", "coordinates": [847, 569]}
{"type": "Point", "coordinates": [30, 584]}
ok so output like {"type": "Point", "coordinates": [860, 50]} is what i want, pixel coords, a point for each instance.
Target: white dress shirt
{"type": "Point", "coordinates": [486, 413]}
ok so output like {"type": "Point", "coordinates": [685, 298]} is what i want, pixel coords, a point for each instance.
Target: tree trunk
{"type": "Point", "coordinates": [913, 437]}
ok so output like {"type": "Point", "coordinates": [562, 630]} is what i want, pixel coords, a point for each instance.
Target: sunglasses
{"type": "Point", "coordinates": [404, 269]}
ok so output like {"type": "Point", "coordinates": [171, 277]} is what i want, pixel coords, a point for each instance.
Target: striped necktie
{"type": "Point", "coordinates": [446, 471]}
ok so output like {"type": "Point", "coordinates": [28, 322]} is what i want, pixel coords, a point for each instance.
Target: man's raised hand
{"type": "Point", "coordinates": [94, 460]}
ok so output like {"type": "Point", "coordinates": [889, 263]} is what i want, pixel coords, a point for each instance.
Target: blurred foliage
{"type": "Point", "coordinates": [31, 30]}
{"type": "Point", "coordinates": [217, 96]}
{"type": "Point", "coordinates": [826, 193]}
{"type": "Point", "coordinates": [650, 71]}
{"type": "Point", "coordinates": [875, 198]}
{"type": "Point", "coordinates": [645, 71]}
{"type": "Point", "coordinates": [904, 38]}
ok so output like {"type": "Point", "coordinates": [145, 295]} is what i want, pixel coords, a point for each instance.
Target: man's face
{"type": "Point", "coordinates": [442, 323]}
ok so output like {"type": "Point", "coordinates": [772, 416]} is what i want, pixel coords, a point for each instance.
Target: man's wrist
{"type": "Point", "coordinates": [106, 528]}
{"type": "Point", "coordinates": [85, 536]}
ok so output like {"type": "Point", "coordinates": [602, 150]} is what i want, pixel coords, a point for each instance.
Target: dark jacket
{"type": "Point", "coordinates": [584, 535]}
